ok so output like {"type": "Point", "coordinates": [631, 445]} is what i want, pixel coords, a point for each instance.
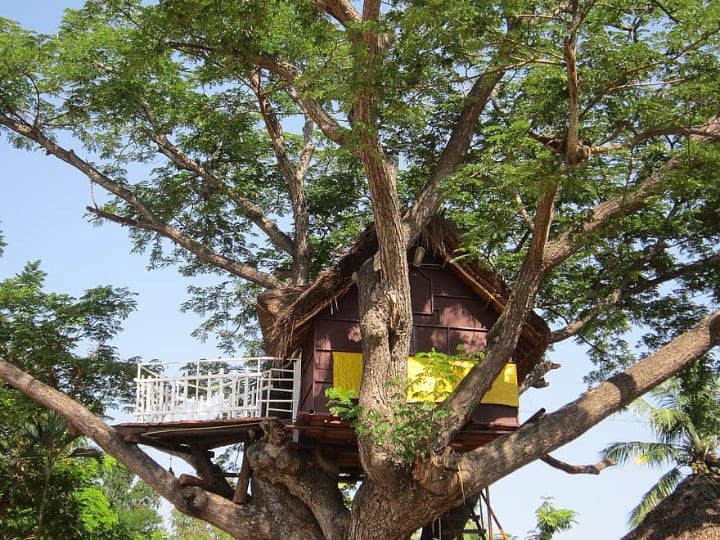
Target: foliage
{"type": "Point", "coordinates": [575, 143]}
{"type": "Point", "coordinates": [411, 430]}
{"type": "Point", "coordinates": [134, 503]}
{"type": "Point", "coordinates": [684, 416]}
{"type": "Point", "coordinates": [55, 486]}
{"type": "Point", "coordinates": [409, 435]}
{"type": "Point", "coordinates": [440, 374]}
{"type": "Point", "coordinates": [343, 403]}
{"type": "Point", "coordinates": [187, 528]}
{"type": "Point", "coordinates": [40, 332]}
{"type": "Point", "coordinates": [38, 472]}
{"type": "Point", "coordinates": [52, 484]}
{"type": "Point", "coordinates": [552, 520]}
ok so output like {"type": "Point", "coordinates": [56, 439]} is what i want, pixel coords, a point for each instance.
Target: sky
{"type": "Point", "coordinates": [42, 217]}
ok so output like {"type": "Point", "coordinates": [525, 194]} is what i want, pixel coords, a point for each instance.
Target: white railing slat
{"type": "Point", "coordinates": [243, 390]}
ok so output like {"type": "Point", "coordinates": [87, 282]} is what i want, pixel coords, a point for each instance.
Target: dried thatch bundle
{"type": "Point", "coordinates": [691, 512]}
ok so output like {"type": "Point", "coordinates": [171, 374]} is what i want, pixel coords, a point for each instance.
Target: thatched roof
{"type": "Point", "coordinates": [691, 512]}
{"type": "Point", "coordinates": [285, 314]}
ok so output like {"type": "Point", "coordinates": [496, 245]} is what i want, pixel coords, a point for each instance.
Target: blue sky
{"type": "Point", "coordinates": [42, 207]}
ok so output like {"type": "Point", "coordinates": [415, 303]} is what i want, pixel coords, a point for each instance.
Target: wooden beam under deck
{"type": "Point", "coordinates": [332, 437]}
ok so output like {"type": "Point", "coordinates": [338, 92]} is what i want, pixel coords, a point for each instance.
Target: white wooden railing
{"type": "Point", "coordinates": [217, 389]}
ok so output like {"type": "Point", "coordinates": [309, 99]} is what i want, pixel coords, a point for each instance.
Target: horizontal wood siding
{"type": "Point", "coordinates": [447, 315]}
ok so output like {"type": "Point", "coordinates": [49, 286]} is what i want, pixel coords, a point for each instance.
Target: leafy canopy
{"type": "Point", "coordinates": [52, 484]}
{"type": "Point", "coordinates": [254, 140]}
{"type": "Point", "coordinates": [43, 332]}
{"type": "Point", "coordinates": [237, 115]}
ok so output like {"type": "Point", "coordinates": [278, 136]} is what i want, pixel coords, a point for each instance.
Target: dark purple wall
{"type": "Point", "coordinates": [447, 314]}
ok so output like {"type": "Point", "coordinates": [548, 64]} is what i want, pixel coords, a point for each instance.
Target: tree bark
{"type": "Point", "coordinates": [487, 464]}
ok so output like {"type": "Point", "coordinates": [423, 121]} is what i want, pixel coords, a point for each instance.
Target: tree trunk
{"type": "Point", "coordinates": [300, 500]}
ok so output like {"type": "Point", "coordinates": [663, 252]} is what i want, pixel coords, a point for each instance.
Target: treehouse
{"type": "Point", "coordinates": [314, 338]}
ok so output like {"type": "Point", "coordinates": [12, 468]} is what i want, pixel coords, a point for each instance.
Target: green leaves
{"type": "Point", "coordinates": [409, 432]}
{"type": "Point", "coordinates": [552, 520]}
{"type": "Point", "coordinates": [58, 487]}
{"type": "Point", "coordinates": [164, 99]}
{"type": "Point", "coordinates": [41, 332]}
{"type": "Point", "coordinates": [343, 403]}
{"type": "Point", "coordinates": [24, 59]}
{"type": "Point", "coordinates": [51, 480]}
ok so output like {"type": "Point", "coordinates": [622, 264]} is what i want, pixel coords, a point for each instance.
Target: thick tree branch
{"type": "Point", "coordinates": [504, 334]}
{"type": "Point", "coordinates": [570, 241]}
{"type": "Point", "coordinates": [301, 269]}
{"type": "Point", "coordinates": [452, 156]}
{"type": "Point", "coordinates": [196, 248]}
{"type": "Point", "coordinates": [485, 465]}
{"type": "Point", "coordinates": [430, 198]}
{"type": "Point", "coordinates": [147, 220]}
{"type": "Point", "coordinates": [190, 500]}
{"type": "Point", "coordinates": [341, 10]}
{"type": "Point", "coordinates": [384, 303]}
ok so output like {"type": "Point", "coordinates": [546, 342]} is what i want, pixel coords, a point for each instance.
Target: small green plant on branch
{"type": "Point", "coordinates": [440, 373]}
{"type": "Point", "coordinates": [343, 403]}
{"type": "Point", "coordinates": [415, 405]}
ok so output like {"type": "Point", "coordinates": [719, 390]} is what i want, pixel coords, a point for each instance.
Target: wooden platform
{"type": "Point", "coordinates": [333, 437]}
{"type": "Point", "coordinates": [179, 436]}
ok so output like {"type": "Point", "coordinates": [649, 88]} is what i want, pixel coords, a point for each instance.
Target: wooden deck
{"type": "Point", "coordinates": [333, 437]}
{"type": "Point", "coordinates": [181, 435]}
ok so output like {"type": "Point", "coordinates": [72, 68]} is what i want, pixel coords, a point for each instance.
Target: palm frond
{"type": "Point", "coordinates": [686, 423]}
{"type": "Point", "coordinates": [659, 455]}
{"type": "Point", "coordinates": [47, 430]}
{"type": "Point", "coordinates": [667, 395]}
{"type": "Point", "coordinates": [641, 407]}
{"type": "Point", "coordinates": [651, 453]}
{"type": "Point", "coordinates": [664, 487]}
{"type": "Point", "coordinates": [669, 425]}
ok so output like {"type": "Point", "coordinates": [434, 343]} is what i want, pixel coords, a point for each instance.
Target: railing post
{"type": "Point", "coordinates": [138, 384]}
{"type": "Point", "coordinates": [297, 376]}
{"type": "Point", "coordinates": [232, 377]}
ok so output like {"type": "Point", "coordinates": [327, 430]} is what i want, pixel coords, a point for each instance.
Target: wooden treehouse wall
{"type": "Point", "coordinates": [447, 314]}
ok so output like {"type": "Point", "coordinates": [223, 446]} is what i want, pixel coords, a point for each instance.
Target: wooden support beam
{"type": "Point", "coordinates": [241, 488]}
